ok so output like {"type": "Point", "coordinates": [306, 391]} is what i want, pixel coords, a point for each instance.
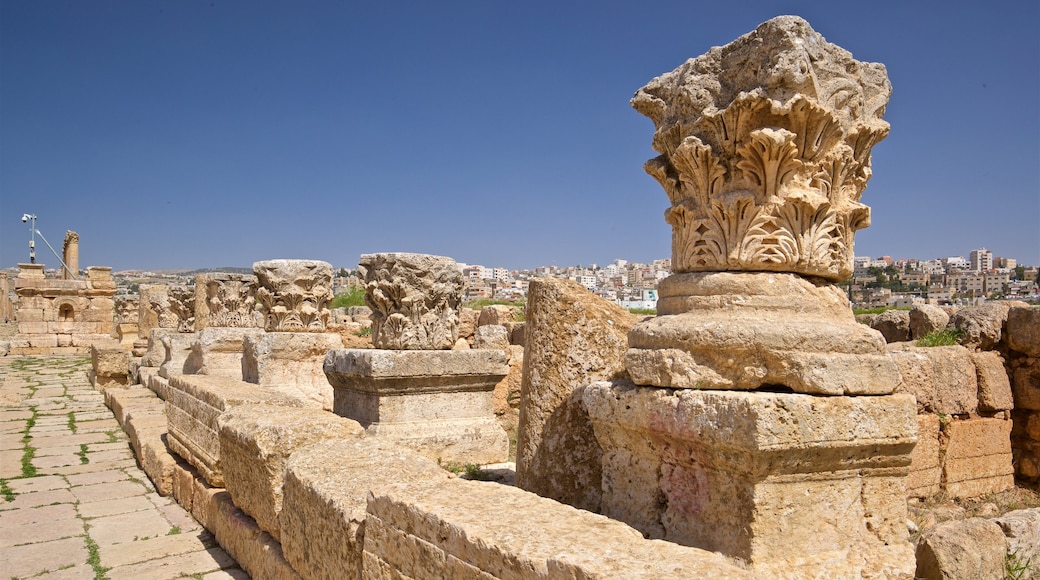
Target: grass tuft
{"type": "Point", "coordinates": [945, 337]}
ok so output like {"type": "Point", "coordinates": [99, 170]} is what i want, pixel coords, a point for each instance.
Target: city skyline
{"type": "Point", "coordinates": [216, 134]}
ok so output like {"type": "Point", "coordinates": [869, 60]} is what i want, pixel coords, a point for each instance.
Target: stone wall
{"type": "Point", "coordinates": [356, 507]}
{"type": "Point", "coordinates": [1022, 348]}
{"type": "Point", "coordinates": [963, 404]}
{"type": "Point", "coordinates": [990, 381]}
{"type": "Point", "coordinates": [63, 316]}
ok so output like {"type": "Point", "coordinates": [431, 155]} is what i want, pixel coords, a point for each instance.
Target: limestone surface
{"type": "Point", "coordinates": [981, 326]}
{"type": "Point", "coordinates": [442, 530]}
{"type": "Point", "coordinates": [226, 300]}
{"type": "Point", "coordinates": [291, 362]}
{"type": "Point", "coordinates": [765, 151]}
{"type": "Point", "coordinates": [894, 325]}
{"type": "Point", "coordinates": [971, 548]}
{"type": "Point", "coordinates": [193, 405]}
{"type": "Point", "coordinates": [942, 378]}
{"type": "Point", "coordinates": [294, 294]}
{"type": "Point", "coordinates": [218, 351]}
{"type": "Point", "coordinates": [978, 457]}
{"type": "Point", "coordinates": [1023, 330]}
{"type": "Point", "coordinates": [751, 474]}
{"type": "Point", "coordinates": [256, 442]}
{"type": "Point", "coordinates": [110, 365]}
{"type": "Point", "coordinates": [926, 319]}
{"type": "Point", "coordinates": [743, 331]}
{"type": "Point", "coordinates": [1022, 529]}
{"type": "Point", "coordinates": [925, 476]}
{"type": "Point", "coordinates": [573, 339]}
{"type": "Point", "coordinates": [994, 384]}
{"type": "Point", "coordinates": [414, 300]}
{"type": "Point", "coordinates": [439, 403]}
{"type": "Point", "coordinates": [325, 492]}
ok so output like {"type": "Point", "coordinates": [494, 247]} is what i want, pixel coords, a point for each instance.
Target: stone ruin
{"type": "Point", "coordinates": [58, 315]}
{"type": "Point", "coordinates": [751, 430]}
{"type": "Point", "coordinates": [410, 389]}
{"type": "Point", "coordinates": [761, 423]}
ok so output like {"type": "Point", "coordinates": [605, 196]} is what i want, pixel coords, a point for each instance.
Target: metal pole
{"type": "Point", "coordinates": [63, 264]}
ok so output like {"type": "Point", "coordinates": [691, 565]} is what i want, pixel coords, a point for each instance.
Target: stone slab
{"type": "Point", "coordinates": [325, 497]}
{"type": "Point", "coordinates": [440, 530]}
{"type": "Point", "coordinates": [193, 405]}
{"type": "Point", "coordinates": [291, 362]}
{"type": "Point", "coordinates": [256, 441]}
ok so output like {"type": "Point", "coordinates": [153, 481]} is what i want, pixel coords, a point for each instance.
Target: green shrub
{"type": "Point", "coordinates": [352, 297]}
{"type": "Point", "coordinates": [647, 311]}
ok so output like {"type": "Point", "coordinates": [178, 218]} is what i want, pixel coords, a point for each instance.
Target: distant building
{"type": "Point", "coordinates": [981, 260]}
{"type": "Point", "coordinates": [955, 263]}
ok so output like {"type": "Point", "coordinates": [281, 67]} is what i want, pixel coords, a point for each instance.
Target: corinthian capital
{"type": "Point", "coordinates": [765, 151]}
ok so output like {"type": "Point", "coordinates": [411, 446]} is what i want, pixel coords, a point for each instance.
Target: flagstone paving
{"type": "Point", "coordinates": [73, 502]}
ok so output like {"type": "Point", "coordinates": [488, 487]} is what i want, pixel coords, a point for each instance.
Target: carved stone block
{"type": "Point", "coordinates": [294, 294]}
{"type": "Point", "coordinates": [291, 362]}
{"type": "Point", "coordinates": [226, 300]}
{"type": "Point", "coordinates": [414, 300]}
{"type": "Point", "coordinates": [765, 150]}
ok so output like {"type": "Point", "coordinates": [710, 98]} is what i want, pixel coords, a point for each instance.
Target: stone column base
{"type": "Point", "coordinates": [749, 330]}
{"type": "Point", "coordinates": [218, 351]}
{"type": "Point", "coordinates": [290, 362]}
{"type": "Point", "coordinates": [438, 402]}
{"type": "Point", "coordinates": [795, 485]}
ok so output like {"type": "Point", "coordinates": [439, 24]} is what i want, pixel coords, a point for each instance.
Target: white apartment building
{"type": "Point", "coordinates": [956, 262]}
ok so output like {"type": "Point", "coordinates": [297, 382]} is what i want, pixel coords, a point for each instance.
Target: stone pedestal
{"type": "Point", "coordinates": [218, 351]}
{"type": "Point", "coordinates": [795, 485]}
{"type": "Point", "coordinates": [177, 347]}
{"type": "Point", "coordinates": [290, 362]}
{"type": "Point", "coordinates": [439, 403]}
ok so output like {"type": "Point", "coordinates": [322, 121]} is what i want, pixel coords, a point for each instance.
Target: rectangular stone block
{"type": "Point", "coordinates": [978, 457]}
{"type": "Point", "coordinates": [110, 365]}
{"type": "Point", "coordinates": [255, 444]}
{"type": "Point", "coordinates": [775, 479]}
{"type": "Point", "coordinates": [193, 404]}
{"type": "Point", "coordinates": [176, 347]}
{"type": "Point", "coordinates": [291, 362]}
{"type": "Point", "coordinates": [1025, 386]}
{"type": "Point", "coordinates": [941, 378]}
{"type": "Point", "coordinates": [994, 383]}
{"type": "Point", "coordinates": [218, 351]}
{"type": "Point", "coordinates": [439, 403]}
{"type": "Point", "coordinates": [323, 516]}
{"type": "Point", "coordinates": [434, 530]}
{"type": "Point", "coordinates": [925, 468]}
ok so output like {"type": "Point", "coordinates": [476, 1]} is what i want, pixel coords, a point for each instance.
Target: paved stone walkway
{"type": "Point", "coordinates": [73, 503]}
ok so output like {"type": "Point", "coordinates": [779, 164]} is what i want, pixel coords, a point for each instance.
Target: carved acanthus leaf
{"type": "Point", "coordinates": [699, 170]}
{"type": "Point", "coordinates": [770, 158]}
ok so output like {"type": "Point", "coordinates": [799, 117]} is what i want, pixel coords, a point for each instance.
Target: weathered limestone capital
{"type": "Point", "coordinates": [174, 307]}
{"type": "Point", "coordinates": [127, 309]}
{"type": "Point", "coordinates": [765, 150]}
{"type": "Point", "coordinates": [227, 301]}
{"type": "Point", "coordinates": [295, 294]}
{"type": "Point", "coordinates": [414, 299]}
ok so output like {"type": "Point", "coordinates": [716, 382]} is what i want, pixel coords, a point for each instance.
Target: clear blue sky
{"type": "Point", "coordinates": [184, 134]}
